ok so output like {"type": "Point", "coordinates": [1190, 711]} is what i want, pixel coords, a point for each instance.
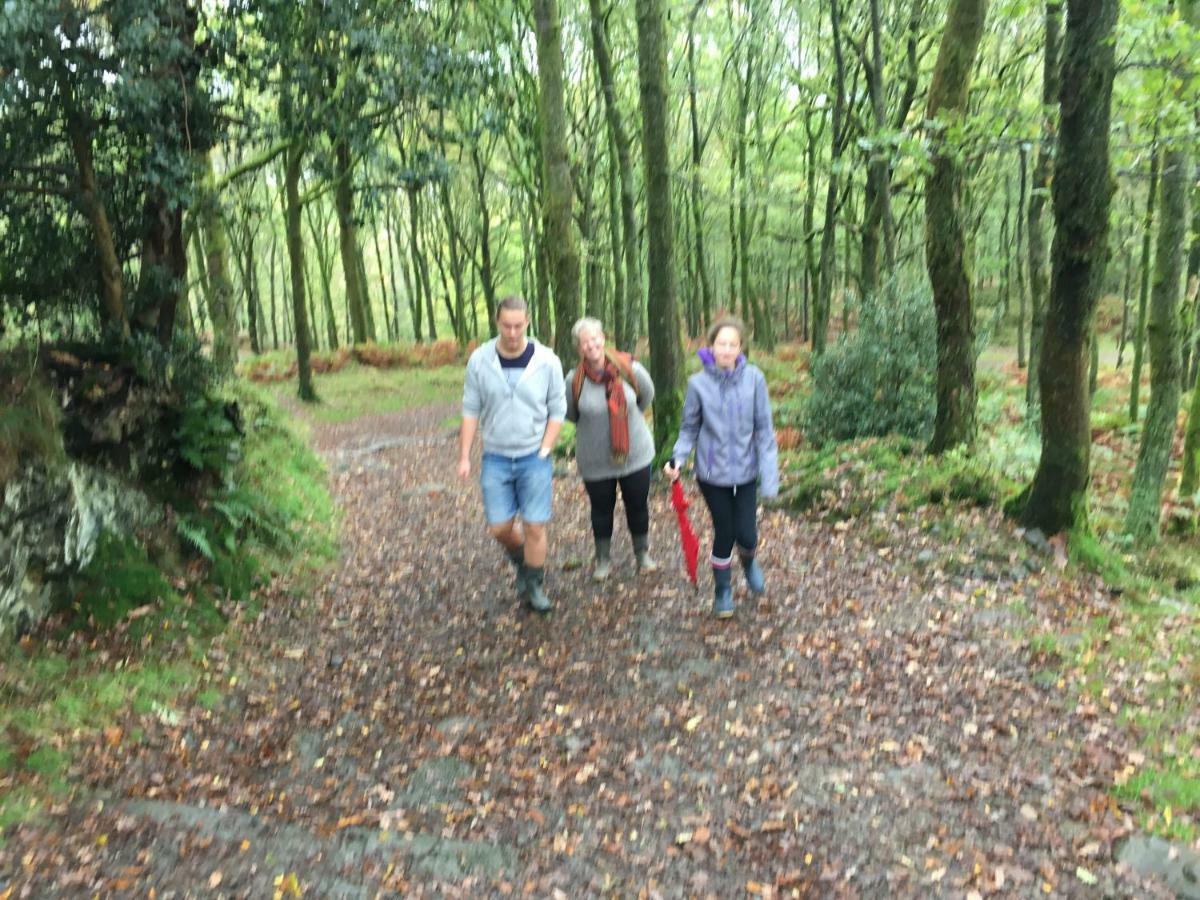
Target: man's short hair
{"type": "Point", "coordinates": [513, 301]}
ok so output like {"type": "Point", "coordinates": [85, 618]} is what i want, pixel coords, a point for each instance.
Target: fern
{"type": "Point", "coordinates": [196, 535]}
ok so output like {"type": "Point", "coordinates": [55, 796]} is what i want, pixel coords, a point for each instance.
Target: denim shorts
{"type": "Point", "coordinates": [516, 485]}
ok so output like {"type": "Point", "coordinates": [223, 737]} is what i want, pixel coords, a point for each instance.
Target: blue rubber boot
{"type": "Point", "coordinates": [722, 593]}
{"type": "Point", "coordinates": [754, 574]}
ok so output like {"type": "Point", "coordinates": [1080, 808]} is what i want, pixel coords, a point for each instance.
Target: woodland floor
{"type": "Point", "coordinates": [875, 726]}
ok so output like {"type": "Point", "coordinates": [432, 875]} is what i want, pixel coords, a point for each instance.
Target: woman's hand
{"type": "Point", "coordinates": [671, 470]}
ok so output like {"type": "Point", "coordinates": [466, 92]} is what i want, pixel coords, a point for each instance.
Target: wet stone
{"type": "Point", "coordinates": [1177, 866]}
{"type": "Point", "coordinates": [434, 782]}
{"type": "Point", "coordinates": [455, 725]}
{"type": "Point", "coordinates": [658, 766]}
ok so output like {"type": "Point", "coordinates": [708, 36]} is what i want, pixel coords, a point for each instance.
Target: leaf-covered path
{"type": "Point", "coordinates": [874, 727]}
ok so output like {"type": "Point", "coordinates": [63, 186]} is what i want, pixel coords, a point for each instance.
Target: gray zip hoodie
{"type": "Point", "coordinates": [512, 420]}
{"type": "Point", "coordinates": [727, 421]}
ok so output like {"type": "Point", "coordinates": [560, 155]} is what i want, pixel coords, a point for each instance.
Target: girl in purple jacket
{"type": "Point", "coordinates": [727, 421]}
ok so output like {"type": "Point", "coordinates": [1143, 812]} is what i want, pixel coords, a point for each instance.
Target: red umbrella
{"type": "Point", "coordinates": [687, 536]}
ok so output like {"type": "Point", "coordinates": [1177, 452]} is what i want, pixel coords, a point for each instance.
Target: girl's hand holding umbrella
{"type": "Point", "coordinates": [688, 541]}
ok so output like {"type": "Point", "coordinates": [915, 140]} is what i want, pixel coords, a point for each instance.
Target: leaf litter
{"type": "Point", "coordinates": [873, 726]}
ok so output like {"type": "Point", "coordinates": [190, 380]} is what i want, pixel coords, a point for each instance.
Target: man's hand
{"type": "Point", "coordinates": [464, 468]}
{"type": "Point", "coordinates": [671, 470]}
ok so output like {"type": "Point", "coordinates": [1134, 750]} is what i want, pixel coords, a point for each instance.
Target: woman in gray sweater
{"type": "Point", "coordinates": [607, 397]}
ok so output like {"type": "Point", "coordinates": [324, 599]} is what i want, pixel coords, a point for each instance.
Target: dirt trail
{"type": "Point", "coordinates": [873, 727]}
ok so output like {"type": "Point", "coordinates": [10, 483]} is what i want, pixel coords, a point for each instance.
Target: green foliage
{"type": "Point", "coordinates": [270, 505]}
{"type": "Point", "coordinates": [119, 579]}
{"type": "Point", "coordinates": [878, 379]}
{"type": "Point", "coordinates": [141, 131]}
{"type": "Point", "coordinates": [564, 447]}
{"type": "Point", "coordinates": [52, 700]}
{"type": "Point", "coordinates": [29, 417]}
{"type": "Point", "coordinates": [853, 478]}
{"type": "Point", "coordinates": [1089, 552]}
{"type": "Point", "coordinates": [207, 437]}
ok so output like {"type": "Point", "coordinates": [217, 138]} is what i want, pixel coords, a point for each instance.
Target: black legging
{"type": "Point", "coordinates": [635, 489]}
{"type": "Point", "coordinates": [734, 516]}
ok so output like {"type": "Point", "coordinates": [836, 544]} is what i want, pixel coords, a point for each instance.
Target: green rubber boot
{"type": "Point", "coordinates": [535, 594]}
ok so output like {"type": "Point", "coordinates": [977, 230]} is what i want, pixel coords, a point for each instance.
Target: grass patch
{"type": "Point", "coordinates": [52, 700]}
{"type": "Point", "coordinates": [850, 479]}
{"type": "Point", "coordinates": [357, 390]}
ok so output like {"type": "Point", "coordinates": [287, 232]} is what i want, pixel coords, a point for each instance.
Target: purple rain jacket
{"type": "Point", "coordinates": [727, 421]}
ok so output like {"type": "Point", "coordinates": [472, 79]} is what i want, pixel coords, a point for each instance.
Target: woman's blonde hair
{"type": "Point", "coordinates": [728, 322]}
{"type": "Point", "coordinates": [587, 323]}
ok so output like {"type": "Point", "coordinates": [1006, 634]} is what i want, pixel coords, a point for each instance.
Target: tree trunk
{"type": "Point", "coordinates": [700, 263]}
{"type": "Point", "coordinates": [112, 285]}
{"type": "Point", "coordinates": [811, 269]}
{"type": "Point", "coordinates": [823, 301]}
{"type": "Point", "coordinates": [274, 317]}
{"type": "Point", "coordinates": [252, 301]}
{"type": "Point", "coordinates": [945, 243]}
{"type": "Point", "coordinates": [325, 269]}
{"type": "Point", "coordinates": [1021, 297]}
{"type": "Point", "coordinates": [625, 327]}
{"type": "Point", "coordinates": [1192, 280]}
{"type": "Point", "coordinates": [420, 274]}
{"type": "Point", "coordinates": [1139, 330]}
{"type": "Point", "coordinates": [1126, 291]}
{"type": "Point", "coordinates": [343, 201]}
{"type": "Point", "coordinates": [665, 351]}
{"type": "Point", "coordinates": [877, 199]}
{"type": "Point", "coordinates": [619, 297]}
{"type": "Point", "coordinates": [1082, 193]}
{"type": "Point", "coordinates": [486, 274]}
{"type": "Point", "coordinates": [295, 246]}
{"type": "Point", "coordinates": [216, 263]}
{"type": "Point", "coordinates": [197, 245]}
{"type": "Point", "coordinates": [1038, 269]}
{"type": "Point", "coordinates": [557, 193]}
{"type": "Point", "coordinates": [1158, 432]}
{"type": "Point", "coordinates": [453, 241]}
{"type": "Point", "coordinates": [392, 239]}
{"type": "Point", "coordinates": [1189, 479]}
{"type": "Point", "coordinates": [388, 300]}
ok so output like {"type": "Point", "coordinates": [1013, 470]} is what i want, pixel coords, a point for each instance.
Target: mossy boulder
{"type": "Point", "coordinates": [52, 517]}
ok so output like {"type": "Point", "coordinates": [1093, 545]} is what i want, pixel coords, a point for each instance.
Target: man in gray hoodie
{"type": "Point", "coordinates": [514, 396]}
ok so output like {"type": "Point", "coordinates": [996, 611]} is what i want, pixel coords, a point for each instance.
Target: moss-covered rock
{"type": "Point", "coordinates": [52, 517]}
